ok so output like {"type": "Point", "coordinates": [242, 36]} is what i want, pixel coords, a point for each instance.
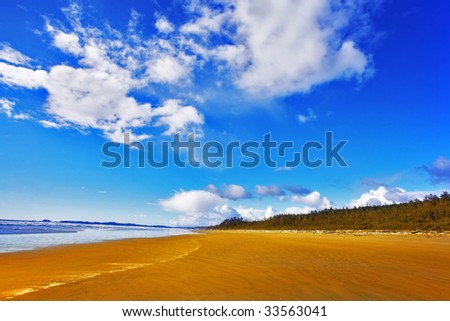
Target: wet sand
{"type": "Point", "coordinates": [235, 266]}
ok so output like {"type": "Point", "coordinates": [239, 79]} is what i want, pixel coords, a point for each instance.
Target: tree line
{"type": "Point", "coordinates": [430, 214]}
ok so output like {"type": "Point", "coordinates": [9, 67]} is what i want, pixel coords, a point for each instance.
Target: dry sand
{"type": "Point", "coordinates": [235, 266]}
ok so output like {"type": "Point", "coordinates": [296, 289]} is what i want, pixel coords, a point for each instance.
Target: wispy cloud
{"type": "Point", "coordinates": [307, 118]}
{"type": "Point", "coordinates": [7, 107]}
{"type": "Point", "coordinates": [13, 56]}
{"type": "Point", "coordinates": [283, 169]}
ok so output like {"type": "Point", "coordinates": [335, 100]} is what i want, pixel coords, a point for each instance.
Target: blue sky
{"type": "Point", "coordinates": [74, 75]}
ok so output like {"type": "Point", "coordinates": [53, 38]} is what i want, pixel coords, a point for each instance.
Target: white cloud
{"type": "Point", "coordinates": [270, 211]}
{"type": "Point", "coordinates": [13, 56]}
{"type": "Point", "coordinates": [21, 116]}
{"type": "Point", "coordinates": [96, 94]}
{"type": "Point", "coordinates": [313, 201]}
{"type": "Point", "coordinates": [233, 55]}
{"type": "Point", "coordinates": [176, 117]}
{"type": "Point", "coordinates": [194, 201]}
{"type": "Point", "coordinates": [7, 107]}
{"type": "Point", "coordinates": [385, 195]}
{"type": "Point", "coordinates": [282, 47]}
{"type": "Point", "coordinates": [92, 98]}
{"type": "Point", "coordinates": [307, 118]}
{"type": "Point", "coordinates": [299, 210]}
{"type": "Point", "coordinates": [202, 208]}
{"type": "Point", "coordinates": [272, 190]}
{"type": "Point", "coordinates": [213, 217]}
{"type": "Point", "coordinates": [50, 124]}
{"type": "Point", "coordinates": [294, 45]}
{"type": "Point", "coordinates": [253, 214]}
{"type": "Point", "coordinates": [231, 191]}
{"type": "Point", "coordinates": [198, 208]}
{"type": "Point", "coordinates": [267, 47]}
{"type": "Point", "coordinates": [208, 21]}
{"type": "Point", "coordinates": [22, 77]}
{"type": "Point", "coordinates": [163, 25]}
{"type": "Point", "coordinates": [67, 42]}
{"type": "Point", "coordinates": [234, 192]}
{"type": "Point", "coordinates": [167, 69]}
{"type": "Point", "coordinates": [209, 207]}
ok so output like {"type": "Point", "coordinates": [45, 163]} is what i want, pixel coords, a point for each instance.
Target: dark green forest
{"type": "Point", "coordinates": [431, 214]}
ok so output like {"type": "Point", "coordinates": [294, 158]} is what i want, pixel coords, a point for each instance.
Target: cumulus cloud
{"type": "Point", "coordinates": [253, 214]}
{"type": "Point", "coordinates": [198, 208]}
{"type": "Point", "coordinates": [95, 98]}
{"type": "Point", "coordinates": [270, 211]}
{"type": "Point", "coordinates": [213, 217]}
{"type": "Point", "coordinates": [194, 201]}
{"type": "Point", "coordinates": [230, 191]}
{"type": "Point", "coordinates": [283, 46]}
{"type": "Point", "coordinates": [96, 94]}
{"type": "Point", "coordinates": [211, 206]}
{"type": "Point", "coordinates": [439, 171]}
{"type": "Point", "coordinates": [312, 201]}
{"type": "Point", "coordinates": [271, 190]}
{"type": "Point", "coordinates": [385, 195]}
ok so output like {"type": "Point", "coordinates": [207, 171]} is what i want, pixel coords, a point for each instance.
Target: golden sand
{"type": "Point", "coordinates": [235, 266]}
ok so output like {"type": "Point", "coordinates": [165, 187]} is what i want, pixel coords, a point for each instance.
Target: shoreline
{"type": "Point", "coordinates": [18, 242]}
{"type": "Point", "coordinates": [235, 265]}
{"type": "Point", "coordinates": [200, 230]}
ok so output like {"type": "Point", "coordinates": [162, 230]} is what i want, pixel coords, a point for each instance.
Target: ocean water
{"type": "Point", "coordinates": [28, 235]}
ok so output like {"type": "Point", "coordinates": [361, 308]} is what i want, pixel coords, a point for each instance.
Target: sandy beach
{"type": "Point", "coordinates": [235, 266]}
